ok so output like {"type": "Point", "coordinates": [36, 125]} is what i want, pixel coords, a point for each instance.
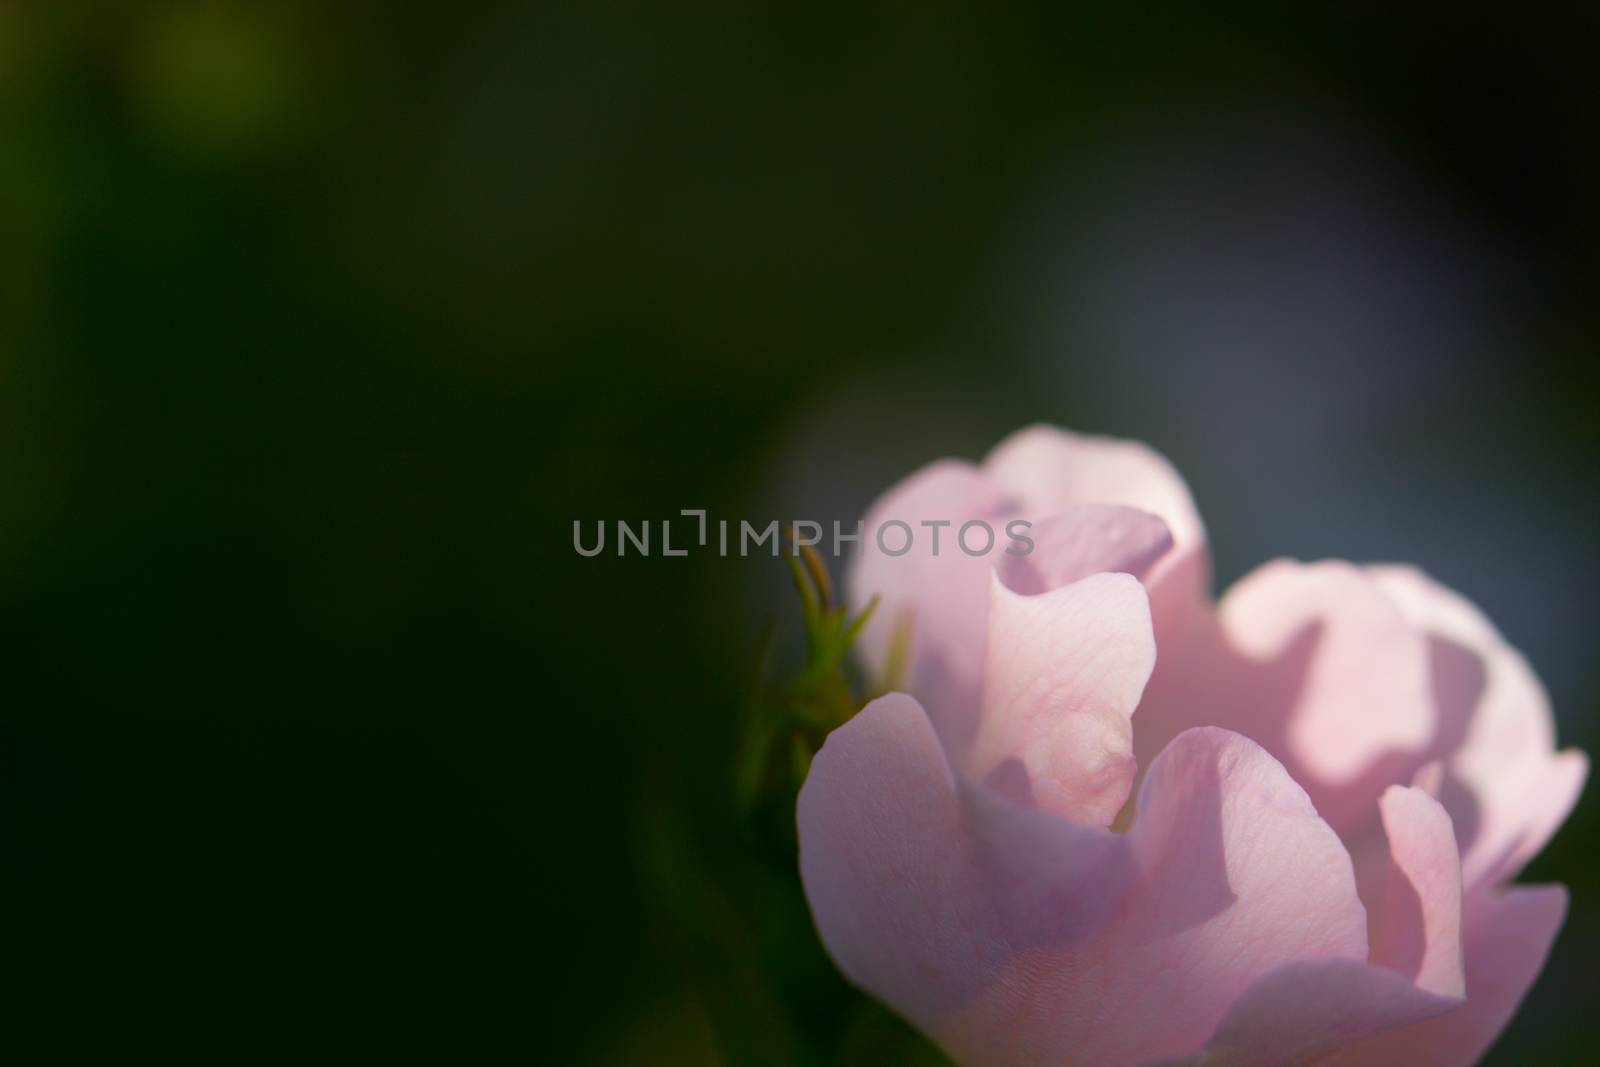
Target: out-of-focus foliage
{"type": "Point", "coordinates": [790, 718]}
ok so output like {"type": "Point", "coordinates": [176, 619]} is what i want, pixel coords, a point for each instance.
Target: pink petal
{"type": "Point", "coordinates": [925, 891]}
{"type": "Point", "coordinates": [1217, 811]}
{"type": "Point", "coordinates": [1504, 783]}
{"type": "Point", "coordinates": [1015, 937]}
{"type": "Point", "coordinates": [1520, 813]}
{"type": "Point", "coordinates": [1417, 930]}
{"type": "Point", "coordinates": [1304, 1011]}
{"type": "Point", "coordinates": [1053, 469]}
{"type": "Point", "coordinates": [940, 600]}
{"type": "Point", "coordinates": [1507, 937]}
{"type": "Point", "coordinates": [1232, 874]}
{"type": "Point", "coordinates": [1085, 539]}
{"type": "Point", "coordinates": [1064, 672]}
{"type": "Point", "coordinates": [1310, 1009]}
{"type": "Point", "coordinates": [1315, 663]}
{"type": "Point", "coordinates": [1362, 687]}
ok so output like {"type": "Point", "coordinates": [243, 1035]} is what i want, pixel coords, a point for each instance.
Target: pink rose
{"type": "Point", "coordinates": [1112, 822]}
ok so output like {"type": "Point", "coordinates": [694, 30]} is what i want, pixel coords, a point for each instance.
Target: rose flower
{"type": "Point", "coordinates": [1109, 821]}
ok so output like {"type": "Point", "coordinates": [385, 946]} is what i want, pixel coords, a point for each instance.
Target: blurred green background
{"type": "Point", "coordinates": [321, 323]}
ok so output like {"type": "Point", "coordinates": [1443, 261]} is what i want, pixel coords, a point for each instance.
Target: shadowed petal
{"type": "Point", "coordinates": [1314, 663]}
{"type": "Point", "coordinates": [1505, 785]}
{"type": "Point", "coordinates": [1417, 931]}
{"type": "Point", "coordinates": [1309, 1009]}
{"type": "Point", "coordinates": [920, 889]}
{"type": "Point", "coordinates": [1365, 689]}
{"type": "Point", "coordinates": [1317, 664]}
{"type": "Point", "coordinates": [1507, 936]}
{"type": "Point", "coordinates": [1064, 673]}
{"type": "Point", "coordinates": [1298, 1014]}
{"type": "Point", "coordinates": [1016, 937]}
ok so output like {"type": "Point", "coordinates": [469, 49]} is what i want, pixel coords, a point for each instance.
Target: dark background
{"type": "Point", "coordinates": [321, 323]}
